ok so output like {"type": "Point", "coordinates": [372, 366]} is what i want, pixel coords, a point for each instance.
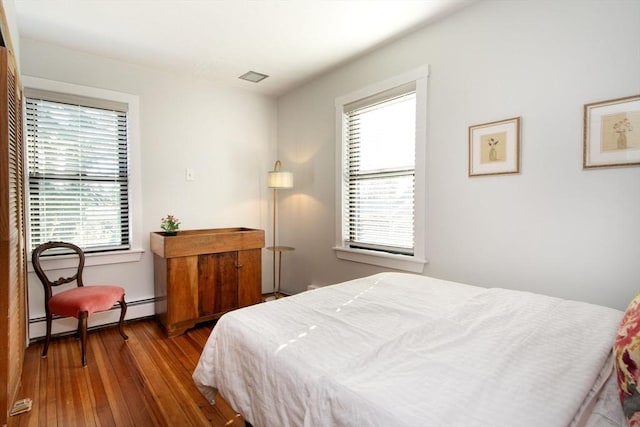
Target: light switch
{"type": "Point", "coordinates": [189, 174]}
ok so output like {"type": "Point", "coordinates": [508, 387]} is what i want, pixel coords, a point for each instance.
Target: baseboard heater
{"type": "Point", "coordinates": [42, 319]}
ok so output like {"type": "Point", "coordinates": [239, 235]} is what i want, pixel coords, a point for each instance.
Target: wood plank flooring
{"type": "Point", "coordinates": [145, 381]}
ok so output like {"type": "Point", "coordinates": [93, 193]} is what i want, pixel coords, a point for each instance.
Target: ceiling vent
{"type": "Point", "coordinates": [252, 76]}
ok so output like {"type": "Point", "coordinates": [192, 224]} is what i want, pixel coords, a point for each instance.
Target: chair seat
{"type": "Point", "coordinates": [85, 298]}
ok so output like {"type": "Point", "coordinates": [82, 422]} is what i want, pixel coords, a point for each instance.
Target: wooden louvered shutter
{"type": "Point", "coordinates": [13, 312]}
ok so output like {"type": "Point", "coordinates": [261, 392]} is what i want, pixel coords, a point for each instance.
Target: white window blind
{"type": "Point", "coordinates": [380, 155]}
{"type": "Point", "coordinates": [78, 170]}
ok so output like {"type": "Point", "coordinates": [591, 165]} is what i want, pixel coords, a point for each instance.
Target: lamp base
{"type": "Point", "coordinates": [272, 296]}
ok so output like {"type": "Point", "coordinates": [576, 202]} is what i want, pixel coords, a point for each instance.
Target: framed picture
{"type": "Point", "coordinates": [612, 133]}
{"type": "Point", "coordinates": [494, 148]}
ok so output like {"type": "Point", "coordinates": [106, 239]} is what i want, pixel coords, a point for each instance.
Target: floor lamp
{"type": "Point", "coordinates": [278, 180]}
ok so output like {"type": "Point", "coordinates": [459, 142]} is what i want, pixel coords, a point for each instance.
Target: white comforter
{"type": "Point", "coordinates": [405, 350]}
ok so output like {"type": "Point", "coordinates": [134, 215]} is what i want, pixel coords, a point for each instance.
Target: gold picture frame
{"type": "Point", "coordinates": [612, 133]}
{"type": "Point", "coordinates": [494, 148]}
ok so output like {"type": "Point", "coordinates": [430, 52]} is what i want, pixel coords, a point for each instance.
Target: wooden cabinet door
{"type": "Point", "coordinates": [218, 279]}
{"type": "Point", "coordinates": [182, 289]}
{"type": "Point", "coordinates": [249, 277]}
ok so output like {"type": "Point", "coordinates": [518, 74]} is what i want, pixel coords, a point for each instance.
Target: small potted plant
{"type": "Point", "coordinates": [170, 224]}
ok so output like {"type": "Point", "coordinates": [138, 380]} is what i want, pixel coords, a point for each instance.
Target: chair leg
{"type": "Point", "coordinates": [45, 349]}
{"type": "Point", "coordinates": [123, 311]}
{"type": "Point", "coordinates": [82, 327]}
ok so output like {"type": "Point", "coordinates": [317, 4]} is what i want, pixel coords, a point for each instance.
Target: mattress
{"type": "Point", "coordinates": [397, 349]}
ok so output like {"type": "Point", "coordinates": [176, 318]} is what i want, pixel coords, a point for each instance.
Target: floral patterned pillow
{"type": "Point", "coordinates": [627, 353]}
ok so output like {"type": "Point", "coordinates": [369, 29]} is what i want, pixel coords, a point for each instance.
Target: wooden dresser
{"type": "Point", "coordinates": [201, 274]}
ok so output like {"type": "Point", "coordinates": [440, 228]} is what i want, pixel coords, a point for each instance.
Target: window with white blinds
{"type": "Point", "coordinates": [380, 133]}
{"type": "Point", "coordinates": [77, 170]}
{"type": "Point", "coordinates": [381, 177]}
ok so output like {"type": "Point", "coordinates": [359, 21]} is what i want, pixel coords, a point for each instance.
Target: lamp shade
{"type": "Point", "coordinates": [280, 179]}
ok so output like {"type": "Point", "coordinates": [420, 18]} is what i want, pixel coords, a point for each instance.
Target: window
{"type": "Point", "coordinates": [381, 182]}
{"type": "Point", "coordinates": [380, 166]}
{"type": "Point", "coordinates": [78, 170]}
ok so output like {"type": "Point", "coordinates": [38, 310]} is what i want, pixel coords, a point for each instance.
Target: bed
{"type": "Point", "coordinates": [398, 349]}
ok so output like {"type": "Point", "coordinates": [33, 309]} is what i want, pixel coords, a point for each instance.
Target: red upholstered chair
{"type": "Point", "coordinates": [78, 302]}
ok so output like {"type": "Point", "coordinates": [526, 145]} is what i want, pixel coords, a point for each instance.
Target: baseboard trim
{"type": "Point", "coordinates": [90, 329]}
{"type": "Point", "coordinates": [64, 326]}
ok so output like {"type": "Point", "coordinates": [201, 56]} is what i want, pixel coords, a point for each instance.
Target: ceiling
{"type": "Point", "coordinates": [219, 40]}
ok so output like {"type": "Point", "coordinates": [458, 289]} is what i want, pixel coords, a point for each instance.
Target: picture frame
{"type": "Point", "coordinates": [494, 148]}
{"type": "Point", "coordinates": [612, 133]}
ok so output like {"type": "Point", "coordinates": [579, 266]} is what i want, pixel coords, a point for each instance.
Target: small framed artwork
{"type": "Point", "coordinates": [612, 133]}
{"type": "Point", "coordinates": [494, 148]}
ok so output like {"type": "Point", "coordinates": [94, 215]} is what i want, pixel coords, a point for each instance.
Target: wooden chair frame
{"type": "Point", "coordinates": [49, 284]}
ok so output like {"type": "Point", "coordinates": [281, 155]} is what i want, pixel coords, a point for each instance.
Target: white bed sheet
{"type": "Point", "coordinates": [405, 350]}
{"type": "Point", "coordinates": [607, 410]}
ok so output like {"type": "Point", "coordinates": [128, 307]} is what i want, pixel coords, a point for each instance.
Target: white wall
{"type": "Point", "coordinates": [9, 7]}
{"type": "Point", "coordinates": [554, 228]}
{"type": "Point", "coordinates": [226, 135]}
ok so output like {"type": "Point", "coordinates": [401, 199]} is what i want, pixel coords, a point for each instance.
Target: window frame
{"type": "Point", "coordinates": [135, 250]}
{"type": "Point", "coordinates": [416, 262]}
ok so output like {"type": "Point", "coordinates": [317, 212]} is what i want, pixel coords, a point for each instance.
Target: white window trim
{"type": "Point", "coordinates": [134, 253]}
{"type": "Point", "coordinates": [417, 261]}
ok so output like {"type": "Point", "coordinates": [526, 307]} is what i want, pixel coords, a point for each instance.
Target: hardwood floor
{"type": "Point", "coordinates": [145, 381]}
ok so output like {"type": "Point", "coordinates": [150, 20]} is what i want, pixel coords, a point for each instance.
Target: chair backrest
{"type": "Point", "coordinates": [44, 278]}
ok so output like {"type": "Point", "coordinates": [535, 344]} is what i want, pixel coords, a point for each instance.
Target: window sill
{"type": "Point", "coordinates": [69, 261]}
{"type": "Point", "coordinates": [399, 262]}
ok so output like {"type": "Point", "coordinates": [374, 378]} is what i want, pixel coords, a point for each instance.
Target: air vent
{"type": "Point", "coordinates": [253, 76]}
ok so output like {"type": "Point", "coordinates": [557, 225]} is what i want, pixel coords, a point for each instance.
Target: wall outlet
{"type": "Point", "coordinates": [189, 174]}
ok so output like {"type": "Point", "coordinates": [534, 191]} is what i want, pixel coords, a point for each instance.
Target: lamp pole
{"type": "Point", "coordinates": [275, 223]}
{"type": "Point", "coordinates": [278, 179]}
